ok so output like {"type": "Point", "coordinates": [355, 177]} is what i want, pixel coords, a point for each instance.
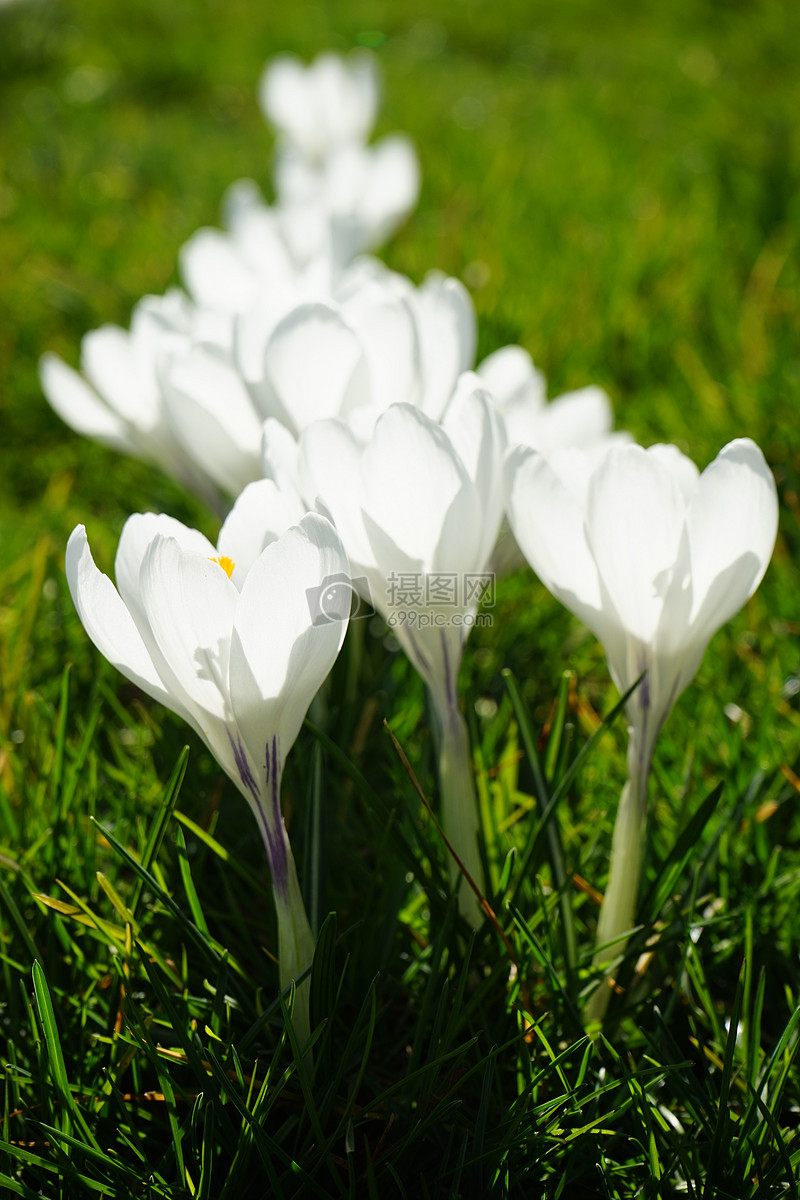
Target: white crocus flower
{"type": "Point", "coordinates": [267, 256]}
{"type": "Point", "coordinates": [325, 173]}
{"type": "Point", "coordinates": [329, 103]}
{"type": "Point", "coordinates": [228, 637]}
{"type": "Point", "coordinates": [377, 342]}
{"type": "Point", "coordinates": [190, 389]}
{"type": "Point", "coordinates": [275, 256]}
{"type": "Point", "coordinates": [418, 509]}
{"type": "Point", "coordinates": [211, 412]}
{"type": "Point", "coordinates": [654, 557]}
{"type": "Point", "coordinates": [359, 195]}
{"type": "Point", "coordinates": [581, 420]}
{"type": "Point", "coordinates": [117, 400]}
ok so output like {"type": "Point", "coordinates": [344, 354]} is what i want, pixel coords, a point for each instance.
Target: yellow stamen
{"type": "Point", "coordinates": [226, 563]}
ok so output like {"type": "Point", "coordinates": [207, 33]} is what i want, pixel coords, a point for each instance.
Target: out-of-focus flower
{"type": "Point", "coordinates": [211, 413]}
{"type": "Point", "coordinates": [267, 255]}
{"type": "Point", "coordinates": [360, 193]}
{"type": "Point", "coordinates": [275, 256]}
{"type": "Point", "coordinates": [380, 341]}
{"type": "Point", "coordinates": [329, 103]}
{"type": "Point", "coordinates": [654, 557]}
{"type": "Point", "coordinates": [580, 420]}
{"type": "Point", "coordinates": [377, 341]}
{"type": "Point", "coordinates": [346, 196]}
{"type": "Point", "coordinates": [117, 400]}
{"type": "Point", "coordinates": [190, 389]}
{"type": "Point", "coordinates": [225, 637]}
{"type": "Point", "coordinates": [418, 508]}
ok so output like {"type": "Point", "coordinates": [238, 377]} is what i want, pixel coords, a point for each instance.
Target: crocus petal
{"type": "Point", "coordinates": [548, 524]}
{"type": "Point", "coordinates": [79, 407]}
{"type": "Point", "coordinates": [306, 226]}
{"type": "Point", "coordinates": [155, 317]}
{"type": "Point", "coordinates": [256, 232]}
{"type": "Point", "coordinates": [436, 654]}
{"type": "Point", "coordinates": [279, 457]}
{"type": "Point", "coordinates": [346, 91]}
{"type": "Point", "coordinates": [162, 326]}
{"type": "Point", "coordinates": [298, 182]}
{"type": "Point", "coordinates": [634, 523]}
{"type": "Point", "coordinates": [682, 470]}
{"type": "Point", "coordinates": [282, 93]}
{"type": "Point", "coordinates": [315, 366]}
{"type": "Point", "coordinates": [119, 376]}
{"type": "Point", "coordinates": [252, 330]}
{"type": "Point", "coordinates": [579, 418]}
{"type": "Point", "coordinates": [732, 523]}
{"type": "Point", "coordinates": [240, 198]}
{"type": "Point", "coordinates": [384, 324]}
{"type": "Point", "coordinates": [474, 429]}
{"type": "Point", "coordinates": [334, 100]}
{"type": "Point", "coordinates": [447, 329]}
{"type": "Point", "coordinates": [392, 189]}
{"type": "Point", "coordinates": [189, 604]}
{"type": "Point", "coordinates": [213, 417]}
{"type": "Point", "coordinates": [262, 513]}
{"type": "Point", "coordinates": [329, 466]}
{"type": "Point", "coordinates": [414, 484]}
{"type": "Point", "coordinates": [215, 274]}
{"type": "Point", "coordinates": [279, 655]}
{"type": "Point", "coordinates": [137, 533]}
{"type": "Point", "coordinates": [512, 379]}
{"type": "Point", "coordinates": [108, 622]}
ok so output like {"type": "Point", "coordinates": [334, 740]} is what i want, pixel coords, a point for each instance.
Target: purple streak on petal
{"type": "Point", "coordinates": [276, 798]}
{"type": "Point", "coordinates": [275, 834]}
{"type": "Point", "coordinates": [644, 694]}
{"type": "Point", "coordinates": [422, 663]}
{"type": "Point", "coordinates": [448, 682]}
{"type": "Point", "coordinates": [271, 825]}
{"type": "Point", "coordinates": [643, 691]}
{"type": "Point", "coordinates": [243, 767]}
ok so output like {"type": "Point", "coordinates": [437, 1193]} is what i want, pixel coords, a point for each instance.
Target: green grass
{"type": "Point", "coordinates": [626, 194]}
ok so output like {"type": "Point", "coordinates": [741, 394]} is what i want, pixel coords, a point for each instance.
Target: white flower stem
{"type": "Point", "coordinates": [295, 939]}
{"type": "Point", "coordinates": [627, 850]}
{"type": "Point", "coordinates": [460, 808]}
{"type": "Point", "coordinates": [295, 944]}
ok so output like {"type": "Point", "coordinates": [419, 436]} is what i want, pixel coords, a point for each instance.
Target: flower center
{"type": "Point", "coordinates": [226, 563]}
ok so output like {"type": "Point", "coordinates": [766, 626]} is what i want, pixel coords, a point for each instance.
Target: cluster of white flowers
{"type": "Point", "coordinates": [341, 404]}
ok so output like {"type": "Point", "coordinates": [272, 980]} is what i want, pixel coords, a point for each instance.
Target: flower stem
{"type": "Point", "coordinates": [295, 944]}
{"type": "Point", "coordinates": [627, 851]}
{"type": "Point", "coordinates": [460, 808]}
{"type": "Point", "coordinates": [295, 939]}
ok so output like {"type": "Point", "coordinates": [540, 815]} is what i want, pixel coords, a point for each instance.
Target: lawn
{"type": "Point", "coordinates": [619, 187]}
